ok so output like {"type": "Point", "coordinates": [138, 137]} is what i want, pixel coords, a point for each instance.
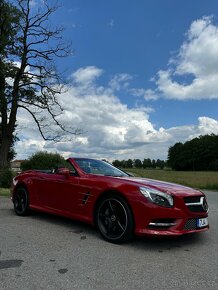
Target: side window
{"type": "Point", "coordinates": [72, 169]}
{"type": "Point", "coordinates": [85, 165]}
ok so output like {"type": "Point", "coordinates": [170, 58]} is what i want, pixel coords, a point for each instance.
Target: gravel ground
{"type": "Point", "coordinates": [47, 252]}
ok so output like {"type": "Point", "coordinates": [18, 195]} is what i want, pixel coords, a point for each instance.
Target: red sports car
{"type": "Point", "coordinates": [120, 205]}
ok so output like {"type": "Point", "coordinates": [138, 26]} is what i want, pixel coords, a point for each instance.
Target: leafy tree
{"type": "Point", "coordinates": [160, 164]}
{"type": "Point", "coordinates": [9, 18]}
{"type": "Point", "coordinates": [43, 161]}
{"type": "Point", "coordinates": [138, 163]}
{"type": "Point", "coordinates": [200, 153]}
{"type": "Point", "coordinates": [123, 164]}
{"type": "Point", "coordinates": [116, 163]}
{"type": "Point", "coordinates": [146, 163]}
{"type": "Point", "coordinates": [129, 163]}
{"type": "Point", "coordinates": [6, 177]}
{"type": "Point", "coordinates": [153, 163]}
{"type": "Point", "coordinates": [28, 78]}
{"type": "Point", "coordinates": [174, 155]}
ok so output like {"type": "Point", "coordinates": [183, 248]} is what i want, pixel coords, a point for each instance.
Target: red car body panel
{"type": "Point", "coordinates": [76, 197]}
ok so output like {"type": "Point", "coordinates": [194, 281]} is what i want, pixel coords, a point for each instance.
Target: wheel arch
{"type": "Point", "coordinates": [106, 193]}
{"type": "Point", "coordinates": [20, 184]}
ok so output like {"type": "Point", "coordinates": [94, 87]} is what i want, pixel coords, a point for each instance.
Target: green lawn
{"type": "Point", "coordinates": [196, 179]}
{"type": "Point", "coordinates": [4, 192]}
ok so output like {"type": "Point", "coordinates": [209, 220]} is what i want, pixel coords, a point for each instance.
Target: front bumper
{"type": "Point", "coordinates": [151, 219]}
{"type": "Point", "coordinates": [176, 230]}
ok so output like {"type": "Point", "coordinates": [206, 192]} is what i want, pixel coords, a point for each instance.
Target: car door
{"type": "Point", "coordinates": [56, 191]}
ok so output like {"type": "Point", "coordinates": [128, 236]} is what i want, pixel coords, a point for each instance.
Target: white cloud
{"type": "Point", "coordinates": [200, 88]}
{"type": "Point", "coordinates": [120, 81]}
{"type": "Point", "coordinates": [197, 59]}
{"type": "Point", "coordinates": [183, 133]}
{"type": "Point", "coordinates": [207, 126]}
{"type": "Point", "coordinates": [111, 129]}
{"type": "Point", "coordinates": [198, 54]}
{"type": "Point", "coordinates": [192, 74]}
{"type": "Point", "coordinates": [108, 125]}
{"type": "Point", "coordinates": [86, 75]}
{"type": "Point", "coordinates": [148, 95]}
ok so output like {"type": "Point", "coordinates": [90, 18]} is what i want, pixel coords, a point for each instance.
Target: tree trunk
{"type": "Point", "coordinates": [7, 125]}
{"type": "Point", "coordinates": [4, 143]}
{"type": "Point", "coordinates": [4, 149]}
{"type": "Point", "coordinates": [4, 138]}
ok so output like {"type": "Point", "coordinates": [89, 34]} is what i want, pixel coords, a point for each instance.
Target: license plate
{"type": "Point", "coordinates": [202, 222]}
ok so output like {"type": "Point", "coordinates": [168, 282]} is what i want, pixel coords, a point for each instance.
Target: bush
{"type": "Point", "coordinates": [6, 176]}
{"type": "Point", "coordinates": [43, 161]}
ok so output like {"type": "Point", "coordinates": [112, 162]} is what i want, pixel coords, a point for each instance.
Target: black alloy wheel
{"type": "Point", "coordinates": [114, 219]}
{"type": "Point", "coordinates": [21, 201]}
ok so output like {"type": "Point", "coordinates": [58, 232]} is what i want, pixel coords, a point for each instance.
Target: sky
{"type": "Point", "coordinates": [143, 76]}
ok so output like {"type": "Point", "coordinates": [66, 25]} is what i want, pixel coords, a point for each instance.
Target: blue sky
{"type": "Point", "coordinates": [138, 38]}
{"type": "Point", "coordinates": [156, 61]}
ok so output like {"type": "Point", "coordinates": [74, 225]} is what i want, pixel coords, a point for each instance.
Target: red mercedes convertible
{"type": "Point", "coordinates": [118, 204]}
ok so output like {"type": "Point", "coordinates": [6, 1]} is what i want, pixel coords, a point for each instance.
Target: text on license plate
{"type": "Point", "coordinates": [202, 222]}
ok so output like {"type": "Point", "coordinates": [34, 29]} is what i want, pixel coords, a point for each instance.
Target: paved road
{"type": "Point", "coordinates": [46, 252]}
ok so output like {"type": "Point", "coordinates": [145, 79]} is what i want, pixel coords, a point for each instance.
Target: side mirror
{"type": "Point", "coordinates": [64, 171]}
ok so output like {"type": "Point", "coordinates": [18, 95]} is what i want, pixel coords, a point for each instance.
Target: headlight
{"type": "Point", "coordinates": [157, 197]}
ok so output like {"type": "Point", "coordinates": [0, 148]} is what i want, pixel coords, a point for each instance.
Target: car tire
{"type": "Point", "coordinates": [21, 201]}
{"type": "Point", "coordinates": [114, 219]}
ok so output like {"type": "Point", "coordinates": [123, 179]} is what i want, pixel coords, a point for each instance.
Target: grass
{"type": "Point", "coordinates": [4, 191]}
{"type": "Point", "coordinates": [195, 179]}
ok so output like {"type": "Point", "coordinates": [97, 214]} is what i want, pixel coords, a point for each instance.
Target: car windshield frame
{"type": "Point", "coordinates": [99, 167]}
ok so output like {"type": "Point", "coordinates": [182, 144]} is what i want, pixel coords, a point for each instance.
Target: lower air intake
{"type": "Point", "coordinates": [191, 224]}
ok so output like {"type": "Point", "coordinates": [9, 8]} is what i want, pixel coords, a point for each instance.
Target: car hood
{"type": "Point", "coordinates": [164, 186]}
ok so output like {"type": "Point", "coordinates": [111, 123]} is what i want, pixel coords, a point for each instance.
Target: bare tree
{"type": "Point", "coordinates": [28, 77]}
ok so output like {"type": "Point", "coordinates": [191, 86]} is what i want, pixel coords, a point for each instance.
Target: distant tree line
{"type": "Point", "coordinates": [137, 163]}
{"type": "Point", "coordinates": [200, 153]}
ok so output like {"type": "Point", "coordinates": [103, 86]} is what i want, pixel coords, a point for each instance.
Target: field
{"type": "Point", "coordinates": [196, 179]}
{"type": "Point", "coordinates": [4, 192]}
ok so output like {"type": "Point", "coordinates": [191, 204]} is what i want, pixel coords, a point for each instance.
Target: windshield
{"type": "Point", "coordinates": [98, 167]}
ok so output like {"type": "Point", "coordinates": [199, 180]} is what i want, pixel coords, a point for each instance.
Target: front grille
{"type": "Point", "coordinates": [196, 203]}
{"type": "Point", "coordinates": [191, 199]}
{"type": "Point", "coordinates": [191, 224]}
{"type": "Point", "coordinates": [196, 208]}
